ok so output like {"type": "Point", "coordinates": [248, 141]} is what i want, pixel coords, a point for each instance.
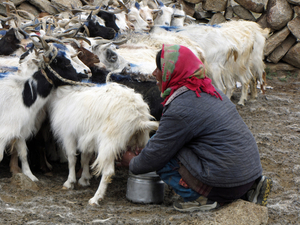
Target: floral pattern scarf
{"type": "Point", "coordinates": [180, 67]}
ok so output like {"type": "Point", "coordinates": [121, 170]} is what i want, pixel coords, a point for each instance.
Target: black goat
{"type": "Point", "coordinates": [9, 43]}
{"type": "Point", "coordinates": [109, 19]}
{"type": "Point", "coordinates": [97, 30]}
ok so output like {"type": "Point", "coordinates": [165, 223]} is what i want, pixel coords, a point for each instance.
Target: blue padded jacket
{"type": "Point", "coordinates": [208, 136]}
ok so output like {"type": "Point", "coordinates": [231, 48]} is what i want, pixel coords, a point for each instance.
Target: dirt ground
{"type": "Point", "coordinates": [274, 121]}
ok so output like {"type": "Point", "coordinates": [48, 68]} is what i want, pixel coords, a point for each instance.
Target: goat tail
{"type": "Point", "coordinates": [150, 125]}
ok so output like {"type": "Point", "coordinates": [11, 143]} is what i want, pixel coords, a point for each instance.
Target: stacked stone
{"type": "Point", "coordinates": [282, 17]}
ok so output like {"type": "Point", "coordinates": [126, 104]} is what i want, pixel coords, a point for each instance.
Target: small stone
{"type": "Point", "coordinates": [23, 182]}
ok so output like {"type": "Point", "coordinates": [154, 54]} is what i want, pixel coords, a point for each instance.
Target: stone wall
{"type": "Point", "coordinates": [282, 17]}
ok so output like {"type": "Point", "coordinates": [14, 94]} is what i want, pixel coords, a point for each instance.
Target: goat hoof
{"type": "Point", "coordinates": [64, 188]}
{"type": "Point", "coordinates": [84, 182]}
{"type": "Point", "coordinates": [94, 202]}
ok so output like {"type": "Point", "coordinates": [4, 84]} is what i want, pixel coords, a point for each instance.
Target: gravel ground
{"type": "Point", "coordinates": [274, 121]}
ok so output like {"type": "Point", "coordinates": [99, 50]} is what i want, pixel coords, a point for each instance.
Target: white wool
{"type": "Point", "coordinates": [104, 120]}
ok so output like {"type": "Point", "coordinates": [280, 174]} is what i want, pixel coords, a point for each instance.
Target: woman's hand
{"type": "Point", "coordinates": [126, 158]}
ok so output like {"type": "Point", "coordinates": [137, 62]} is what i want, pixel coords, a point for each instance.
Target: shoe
{"type": "Point", "coordinates": [260, 191]}
{"type": "Point", "coordinates": [201, 204]}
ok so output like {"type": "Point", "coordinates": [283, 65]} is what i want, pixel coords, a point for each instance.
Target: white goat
{"type": "Point", "coordinates": [164, 16]}
{"type": "Point", "coordinates": [137, 23]}
{"type": "Point", "coordinates": [233, 52]}
{"type": "Point", "coordinates": [23, 97]}
{"type": "Point", "coordinates": [105, 120]}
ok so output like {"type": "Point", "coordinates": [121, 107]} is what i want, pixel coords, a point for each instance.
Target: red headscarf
{"type": "Point", "coordinates": [180, 67]}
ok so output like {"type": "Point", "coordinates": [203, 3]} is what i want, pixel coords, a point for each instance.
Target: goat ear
{"type": "Point", "coordinates": [35, 61]}
{"type": "Point", "coordinates": [90, 16]}
{"type": "Point", "coordinates": [156, 11]}
{"type": "Point", "coordinates": [189, 17]}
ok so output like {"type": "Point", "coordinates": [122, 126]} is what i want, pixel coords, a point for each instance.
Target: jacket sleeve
{"type": "Point", "coordinates": [172, 134]}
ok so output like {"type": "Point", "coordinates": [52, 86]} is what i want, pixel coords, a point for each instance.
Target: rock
{"type": "Point", "coordinates": [18, 2]}
{"type": "Point", "coordinates": [262, 21]}
{"type": "Point", "coordinates": [194, 1]}
{"type": "Point", "coordinates": [188, 8]}
{"type": "Point", "coordinates": [28, 8]}
{"type": "Point", "coordinates": [293, 56]}
{"type": "Point", "coordinates": [241, 12]}
{"type": "Point", "coordinates": [215, 5]}
{"type": "Point", "coordinates": [294, 2]}
{"type": "Point", "coordinates": [67, 3]}
{"type": "Point", "coordinates": [23, 182]}
{"type": "Point", "coordinates": [242, 213]}
{"type": "Point", "coordinates": [2, 10]}
{"type": "Point", "coordinates": [44, 6]}
{"type": "Point", "coordinates": [254, 6]}
{"type": "Point", "coordinates": [279, 13]}
{"type": "Point", "coordinates": [202, 13]}
{"type": "Point", "coordinates": [217, 18]}
{"type": "Point", "coordinates": [271, 67]}
{"type": "Point", "coordinates": [297, 10]}
{"type": "Point", "coordinates": [229, 11]}
{"type": "Point", "coordinates": [275, 40]}
{"type": "Point", "coordinates": [294, 27]}
{"type": "Point", "coordinates": [282, 49]}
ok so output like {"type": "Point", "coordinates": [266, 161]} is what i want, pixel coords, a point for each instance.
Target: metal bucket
{"type": "Point", "coordinates": [145, 188]}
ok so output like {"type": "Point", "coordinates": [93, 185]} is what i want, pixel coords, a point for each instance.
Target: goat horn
{"type": "Point", "coordinates": [30, 15]}
{"type": "Point", "coordinates": [86, 30]}
{"type": "Point", "coordinates": [168, 3]}
{"type": "Point", "coordinates": [36, 52]}
{"type": "Point", "coordinates": [23, 32]}
{"type": "Point", "coordinates": [46, 60]}
{"type": "Point", "coordinates": [156, 3]}
{"type": "Point", "coordinates": [80, 52]}
{"type": "Point", "coordinates": [7, 19]}
{"type": "Point", "coordinates": [124, 6]}
{"type": "Point", "coordinates": [72, 40]}
{"type": "Point", "coordinates": [117, 11]}
{"type": "Point", "coordinates": [22, 47]}
{"type": "Point", "coordinates": [84, 39]}
{"type": "Point", "coordinates": [56, 40]}
{"type": "Point", "coordinates": [43, 42]}
{"type": "Point", "coordinates": [190, 17]}
{"type": "Point", "coordinates": [121, 41]}
{"type": "Point", "coordinates": [9, 4]}
{"type": "Point", "coordinates": [103, 41]}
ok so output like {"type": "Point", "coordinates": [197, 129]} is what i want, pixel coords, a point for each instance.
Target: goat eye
{"type": "Point", "coordinates": [54, 61]}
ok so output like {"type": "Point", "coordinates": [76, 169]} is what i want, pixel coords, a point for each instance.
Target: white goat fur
{"type": "Point", "coordinates": [233, 52]}
{"type": "Point", "coordinates": [141, 49]}
{"type": "Point", "coordinates": [18, 122]}
{"type": "Point", "coordinates": [104, 120]}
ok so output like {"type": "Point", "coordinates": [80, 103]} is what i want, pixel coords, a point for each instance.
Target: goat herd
{"type": "Point", "coordinates": [57, 72]}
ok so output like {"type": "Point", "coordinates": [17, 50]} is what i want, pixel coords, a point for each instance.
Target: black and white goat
{"type": "Point", "coordinates": [105, 120]}
{"type": "Point", "coordinates": [25, 93]}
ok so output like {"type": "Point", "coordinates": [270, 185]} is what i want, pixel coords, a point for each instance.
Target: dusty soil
{"type": "Point", "coordinates": [274, 121]}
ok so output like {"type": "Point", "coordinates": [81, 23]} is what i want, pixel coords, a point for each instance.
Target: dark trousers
{"type": "Point", "coordinates": [194, 189]}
